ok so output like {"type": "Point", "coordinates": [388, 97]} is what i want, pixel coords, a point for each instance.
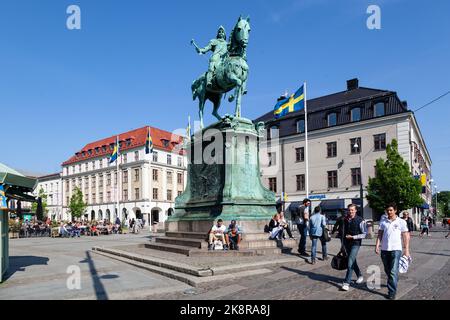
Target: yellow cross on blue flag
{"type": "Point", "coordinates": [115, 153]}
{"type": "Point", "coordinates": [294, 103]}
{"type": "Point", "coordinates": [148, 142]}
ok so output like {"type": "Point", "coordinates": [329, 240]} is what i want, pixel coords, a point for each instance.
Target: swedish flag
{"type": "Point", "coordinates": [115, 153]}
{"type": "Point", "coordinates": [294, 103]}
{"type": "Point", "coordinates": [148, 142]}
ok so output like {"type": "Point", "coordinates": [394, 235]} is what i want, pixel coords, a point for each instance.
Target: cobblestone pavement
{"type": "Point", "coordinates": [427, 278]}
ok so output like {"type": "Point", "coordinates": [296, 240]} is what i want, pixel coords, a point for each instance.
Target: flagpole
{"type": "Point", "coordinates": [117, 180]}
{"type": "Point", "coordinates": [306, 142]}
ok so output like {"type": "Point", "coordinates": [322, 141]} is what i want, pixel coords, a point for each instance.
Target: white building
{"type": "Point", "coordinates": [146, 186]}
{"type": "Point", "coordinates": [344, 129]}
{"type": "Point", "coordinates": [52, 186]}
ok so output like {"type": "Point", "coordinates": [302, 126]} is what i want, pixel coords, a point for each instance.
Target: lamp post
{"type": "Point", "coordinates": [361, 191]}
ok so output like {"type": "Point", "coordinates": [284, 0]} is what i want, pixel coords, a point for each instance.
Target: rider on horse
{"type": "Point", "coordinates": [219, 47]}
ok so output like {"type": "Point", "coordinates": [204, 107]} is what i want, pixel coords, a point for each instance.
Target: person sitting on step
{"type": "Point", "coordinates": [217, 233]}
{"type": "Point", "coordinates": [233, 235]}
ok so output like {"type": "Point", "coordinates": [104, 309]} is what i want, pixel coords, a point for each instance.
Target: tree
{"type": "Point", "coordinates": [443, 203]}
{"type": "Point", "coordinates": [34, 206]}
{"type": "Point", "coordinates": [393, 183]}
{"type": "Point", "coordinates": [76, 205]}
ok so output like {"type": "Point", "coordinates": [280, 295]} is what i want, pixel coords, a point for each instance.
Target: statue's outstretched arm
{"type": "Point", "coordinates": [206, 49]}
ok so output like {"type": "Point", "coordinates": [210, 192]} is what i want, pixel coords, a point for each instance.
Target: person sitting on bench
{"type": "Point", "coordinates": [217, 233]}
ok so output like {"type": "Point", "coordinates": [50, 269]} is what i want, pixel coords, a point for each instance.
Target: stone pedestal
{"type": "Point", "coordinates": [224, 180]}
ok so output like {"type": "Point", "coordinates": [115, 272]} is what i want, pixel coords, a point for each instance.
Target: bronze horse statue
{"type": "Point", "coordinates": [230, 73]}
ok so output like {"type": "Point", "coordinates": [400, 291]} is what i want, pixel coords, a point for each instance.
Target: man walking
{"type": "Point", "coordinates": [392, 235]}
{"type": "Point", "coordinates": [409, 221]}
{"type": "Point", "coordinates": [302, 219]}
{"type": "Point", "coordinates": [355, 230]}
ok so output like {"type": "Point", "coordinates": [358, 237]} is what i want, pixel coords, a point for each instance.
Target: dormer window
{"type": "Point", "coordinates": [165, 143]}
{"type": "Point", "coordinates": [274, 132]}
{"type": "Point", "coordinates": [83, 153]}
{"type": "Point", "coordinates": [111, 146]}
{"type": "Point", "coordinates": [332, 119]}
{"type": "Point", "coordinates": [90, 152]}
{"type": "Point", "coordinates": [128, 142]}
{"type": "Point", "coordinates": [355, 114]}
{"type": "Point", "coordinates": [300, 126]}
{"type": "Point", "coordinates": [104, 148]}
{"type": "Point", "coordinates": [97, 150]}
{"type": "Point", "coordinates": [379, 109]}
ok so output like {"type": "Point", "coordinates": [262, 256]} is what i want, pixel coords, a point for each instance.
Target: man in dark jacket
{"type": "Point", "coordinates": [338, 226]}
{"type": "Point", "coordinates": [409, 221]}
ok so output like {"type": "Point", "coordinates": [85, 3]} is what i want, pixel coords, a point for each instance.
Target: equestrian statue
{"type": "Point", "coordinates": [227, 69]}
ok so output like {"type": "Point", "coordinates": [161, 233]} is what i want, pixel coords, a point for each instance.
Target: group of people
{"type": "Point", "coordinates": [78, 228]}
{"type": "Point", "coordinates": [392, 241]}
{"type": "Point", "coordinates": [35, 228]}
{"type": "Point", "coordinates": [229, 238]}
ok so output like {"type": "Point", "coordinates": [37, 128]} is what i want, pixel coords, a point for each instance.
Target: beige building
{"type": "Point", "coordinates": [348, 132]}
{"type": "Point", "coordinates": [52, 187]}
{"type": "Point", "coordinates": [146, 185]}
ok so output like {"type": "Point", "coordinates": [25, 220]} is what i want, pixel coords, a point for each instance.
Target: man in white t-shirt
{"type": "Point", "coordinates": [393, 237]}
{"type": "Point", "coordinates": [218, 233]}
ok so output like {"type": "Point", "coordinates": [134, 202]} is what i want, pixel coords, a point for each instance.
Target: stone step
{"type": "Point", "coordinates": [169, 248]}
{"type": "Point", "coordinates": [195, 243]}
{"type": "Point", "coordinates": [186, 234]}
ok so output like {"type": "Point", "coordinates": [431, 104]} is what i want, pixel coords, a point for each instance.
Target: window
{"type": "Point", "coordinates": [97, 150]}
{"type": "Point", "coordinates": [169, 177]}
{"type": "Point", "coordinates": [79, 168]}
{"type": "Point", "coordinates": [67, 200]}
{"type": "Point", "coordinates": [108, 179]}
{"type": "Point", "coordinates": [94, 199]}
{"type": "Point", "coordinates": [100, 180]}
{"type": "Point", "coordinates": [180, 162]}
{"type": "Point", "coordinates": [136, 175]}
{"type": "Point", "coordinates": [300, 126]}
{"type": "Point", "coordinates": [67, 185]}
{"type": "Point", "coordinates": [100, 199]}
{"type": "Point", "coordinates": [100, 163]}
{"type": "Point", "coordinates": [273, 184]}
{"type": "Point", "coordinates": [300, 154]}
{"type": "Point", "coordinates": [128, 142]}
{"type": "Point", "coordinates": [125, 195]}
{"type": "Point", "coordinates": [179, 193]}
{"type": "Point", "coordinates": [356, 176]}
{"type": "Point", "coordinates": [155, 174]}
{"type": "Point", "coordinates": [136, 194]}
{"type": "Point", "coordinates": [272, 158]}
{"type": "Point", "coordinates": [86, 167]}
{"type": "Point", "coordinates": [165, 143]}
{"type": "Point", "coordinates": [273, 132]}
{"type": "Point", "coordinates": [169, 159]}
{"type": "Point", "coordinates": [155, 156]}
{"type": "Point", "coordinates": [353, 142]}
{"type": "Point", "coordinates": [104, 148]}
{"type": "Point", "coordinates": [136, 156]}
{"type": "Point", "coordinates": [332, 119]}
{"type": "Point", "coordinates": [169, 195]}
{"type": "Point", "coordinates": [332, 149]}
{"type": "Point", "coordinates": [125, 158]}
{"type": "Point", "coordinates": [378, 109]}
{"type": "Point", "coordinates": [115, 178]}
{"type": "Point", "coordinates": [355, 114]}
{"type": "Point", "coordinates": [155, 193]}
{"type": "Point", "coordinates": [93, 179]}
{"type": "Point", "coordinates": [300, 182]}
{"type": "Point", "coordinates": [180, 178]}
{"type": "Point", "coordinates": [108, 196]}
{"type": "Point", "coordinates": [332, 179]}
{"type": "Point", "coordinates": [90, 152]}
{"type": "Point", "coordinates": [125, 176]}
{"type": "Point", "coordinates": [379, 141]}
{"type": "Point", "coordinates": [93, 165]}
{"type": "Point", "coordinates": [111, 147]}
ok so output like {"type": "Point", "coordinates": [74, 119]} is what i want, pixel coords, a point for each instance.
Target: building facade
{"type": "Point", "coordinates": [347, 132]}
{"type": "Point", "coordinates": [140, 186]}
{"type": "Point", "coordinates": [52, 187]}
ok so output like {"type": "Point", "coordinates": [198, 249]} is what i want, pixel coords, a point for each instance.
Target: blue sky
{"type": "Point", "coordinates": [131, 65]}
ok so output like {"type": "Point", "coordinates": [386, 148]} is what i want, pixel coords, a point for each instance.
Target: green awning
{"type": "Point", "coordinates": [11, 177]}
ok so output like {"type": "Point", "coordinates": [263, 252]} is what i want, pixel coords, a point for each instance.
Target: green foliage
{"type": "Point", "coordinates": [393, 183]}
{"type": "Point", "coordinates": [77, 206]}
{"type": "Point", "coordinates": [443, 203]}
{"type": "Point", "coordinates": [43, 196]}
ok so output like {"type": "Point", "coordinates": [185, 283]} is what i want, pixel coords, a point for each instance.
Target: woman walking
{"type": "Point", "coordinates": [317, 225]}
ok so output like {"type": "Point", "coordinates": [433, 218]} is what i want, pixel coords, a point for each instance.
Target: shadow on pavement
{"type": "Point", "coordinates": [331, 280]}
{"type": "Point", "coordinates": [433, 253]}
{"type": "Point", "coordinates": [19, 263]}
{"type": "Point", "coordinates": [99, 289]}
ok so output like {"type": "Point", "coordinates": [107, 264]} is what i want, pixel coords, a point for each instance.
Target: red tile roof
{"type": "Point", "coordinates": [137, 139]}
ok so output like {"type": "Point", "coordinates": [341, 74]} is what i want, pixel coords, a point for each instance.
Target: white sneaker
{"type": "Point", "coordinates": [360, 280]}
{"type": "Point", "coordinates": [345, 287]}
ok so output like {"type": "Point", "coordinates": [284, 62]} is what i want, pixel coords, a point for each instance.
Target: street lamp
{"type": "Point", "coordinates": [361, 192]}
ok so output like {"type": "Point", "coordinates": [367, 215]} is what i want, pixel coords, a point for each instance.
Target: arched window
{"type": "Point", "coordinates": [332, 119]}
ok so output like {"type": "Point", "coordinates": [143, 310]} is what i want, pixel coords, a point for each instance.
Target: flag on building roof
{"type": "Point", "coordinates": [295, 102]}
{"type": "Point", "coordinates": [148, 142]}
{"type": "Point", "coordinates": [115, 153]}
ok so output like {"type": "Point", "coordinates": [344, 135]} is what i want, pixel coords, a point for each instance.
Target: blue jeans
{"type": "Point", "coordinates": [302, 230]}
{"type": "Point", "coordinates": [314, 247]}
{"type": "Point", "coordinates": [352, 252]}
{"type": "Point", "coordinates": [390, 261]}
